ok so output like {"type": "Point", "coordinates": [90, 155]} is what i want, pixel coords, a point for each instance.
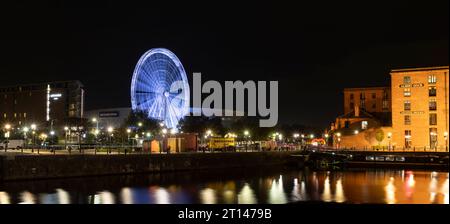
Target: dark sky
{"type": "Point", "coordinates": [314, 50]}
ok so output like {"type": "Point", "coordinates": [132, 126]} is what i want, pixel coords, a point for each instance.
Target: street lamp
{"type": "Point", "coordinates": [65, 136]}
{"type": "Point", "coordinates": [33, 132]}
{"type": "Point", "coordinates": [356, 132]}
{"type": "Point", "coordinates": [7, 127]}
{"type": "Point", "coordinates": [110, 134]}
{"type": "Point", "coordinates": [25, 131]}
{"type": "Point", "coordinates": [389, 138]}
{"type": "Point", "coordinates": [446, 140]}
{"type": "Point", "coordinates": [140, 124]}
{"type": "Point", "coordinates": [339, 139]}
{"type": "Point", "coordinates": [246, 134]}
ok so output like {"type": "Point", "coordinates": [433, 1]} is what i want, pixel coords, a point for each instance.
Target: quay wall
{"type": "Point", "coordinates": [22, 167]}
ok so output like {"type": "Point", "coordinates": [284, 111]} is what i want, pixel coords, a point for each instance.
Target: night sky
{"type": "Point", "coordinates": [313, 50]}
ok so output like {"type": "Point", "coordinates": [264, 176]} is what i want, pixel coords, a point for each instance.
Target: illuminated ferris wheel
{"type": "Point", "coordinates": [160, 88]}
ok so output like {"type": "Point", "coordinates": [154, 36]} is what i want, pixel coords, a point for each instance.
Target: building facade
{"type": "Point", "coordinates": [411, 114]}
{"type": "Point", "coordinates": [42, 104]}
{"type": "Point", "coordinates": [110, 117]}
{"type": "Point", "coordinates": [372, 99]}
{"type": "Point", "coordinates": [420, 107]}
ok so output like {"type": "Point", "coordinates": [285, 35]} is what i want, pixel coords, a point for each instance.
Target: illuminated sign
{"type": "Point", "coordinates": [109, 114]}
{"type": "Point", "coordinates": [412, 112]}
{"type": "Point", "coordinates": [55, 95]}
{"type": "Point", "coordinates": [412, 85]}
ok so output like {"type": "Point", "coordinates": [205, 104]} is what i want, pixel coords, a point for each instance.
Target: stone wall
{"type": "Point", "coordinates": [59, 166]}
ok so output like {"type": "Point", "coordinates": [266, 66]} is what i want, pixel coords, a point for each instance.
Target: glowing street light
{"type": "Point", "coordinates": [246, 133]}
{"type": "Point", "coordinates": [173, 131]}
{"type": "Point", "coordinates": [311, 136]}
{"type": "Point", "coordinates": [356, 132]}
{"type": "Point", "coordinates": [140, 124]}
{"type": "Point", "coordinates": [164, 131]}
{"type": "Point", "coordinates": [128, 131]}
{"type": "Point", "coordinates": [33, 127]}
{"type": "Point", "coordinates": [52, 133]}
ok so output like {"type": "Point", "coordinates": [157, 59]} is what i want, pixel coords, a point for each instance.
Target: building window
{"type": "Point", "coordinates": [374, 106]}
{"type": "Point", "coordinates": [374, 95]}
{"type": "Point", "coordinates": [432, 79]}
{"type": "Point", "coordinates": [362, 96]}
{"type": "Point", "coordinates": [364, 125]}
{"type": "Point", "coordinates": [4, 115]}
{"type": "Point", "coordinates": [433, 104]}
{"type": "Point", "coordinates": [433, 138]}
{"type": "Point", "coordinates": [24, 115]}
{"type": "Point", "coordinates": [15, 115]}
{"type": "Point", "coordinates": [407, 92]}
{"type": "Point", "coordinates": [432, 91]}
{"type": "Point", "coordinates": [433, 119]}
{"type": "Point", "coordinates": [407, 79]}
{"type": "Point", "coordinates": [408, 141]}
{"type": "Point", "coordinates": [407, 119]}
{"type": "Point", "coordinates": [385, 104]}
{"type": "Point", "coordinates": [407, 105]}
{"type": "Point", "coordinates": [351, 96]}
{"type": "Point", "coordinates": [352, 106]}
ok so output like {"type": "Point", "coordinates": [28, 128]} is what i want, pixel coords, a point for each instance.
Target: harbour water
{"type": "Point", "coordinates": [267, 186]}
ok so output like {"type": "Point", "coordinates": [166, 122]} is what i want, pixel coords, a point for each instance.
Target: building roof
{"type": "Point", "coordinates": [419, 69]}
{"type": "Point", "coordinates": [362, 114]}
{"type": "Point", "coordinates": [41, 84]}
{"type": "Point", "coordinates": [366, 88]}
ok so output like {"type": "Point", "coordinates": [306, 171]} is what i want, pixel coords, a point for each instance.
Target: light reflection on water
{"type": "Point", "coordinates": [373, 186]}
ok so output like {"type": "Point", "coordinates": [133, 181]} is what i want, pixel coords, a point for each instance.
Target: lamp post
{"type": "Point", "coordinates": [110, 133]}
{"type": "Point", "coordinates": [25, 131]}
{"type": "Point", "coordinates": [128, 139]}
{"type": "Point", "coordinates": [33, 132]}
{"type": "Point", "coordinates": [246, 134]}
{"type": "Point", "coordinates": [7, 127]}
{"type": "Point", "coordinates": [326, 140]}
{"type": "Point", "coordinates": [389, 138]}
{"type": "Point", "coordinates": [339, 140]}
{"type": "Point", "coordinates": [446, 141]}
{"type": "Point", "coordinates": [65, 137]}
{"type": "Point", "coordinates": [164, 132]}
{"type": "Point", "coordinates": [52, 134]}
{"type": "Point", "coordinates": [296, 135]}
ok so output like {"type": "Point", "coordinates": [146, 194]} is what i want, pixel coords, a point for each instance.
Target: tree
{"type": "Point", "coordinates": [379, 136]}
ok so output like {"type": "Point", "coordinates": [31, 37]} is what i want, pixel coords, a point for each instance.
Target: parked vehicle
{"type": "Point", "coordinates": [12, 144]}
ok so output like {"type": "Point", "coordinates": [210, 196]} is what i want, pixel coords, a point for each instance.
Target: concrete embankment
{"type": "Point", "coordinates": [22, 167]}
